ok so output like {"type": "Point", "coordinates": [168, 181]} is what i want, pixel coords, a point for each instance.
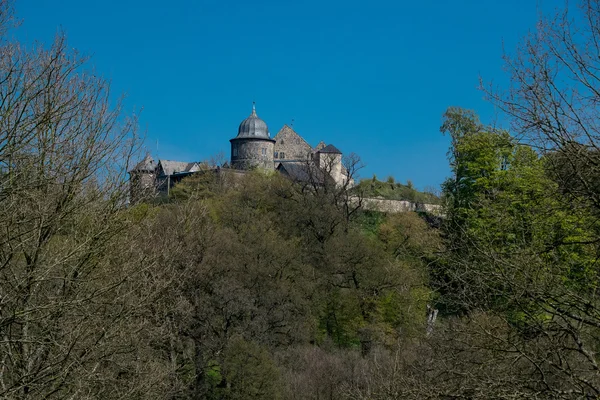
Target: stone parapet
{"type": "Point", "coordinates": [398, 206]}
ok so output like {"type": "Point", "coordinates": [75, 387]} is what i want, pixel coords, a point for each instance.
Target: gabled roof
{"type": "Point", "coordinates": [174, 167]}
{"type": "Point", "coordinates": [146, 165]}
{"type": "Point", "coordinates": [287, 130]}
{"type": "Point", "coordinates": [330, 149]}
{"type": "Point", "coordinates": [320, 146]}
{"type": "Point", "coordinates": [301, 171]}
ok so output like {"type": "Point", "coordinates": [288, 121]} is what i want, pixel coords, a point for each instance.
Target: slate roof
{"type": "Point", "coordinates": [301, 171]}
{"type": "Point", "coordinates": [320, 146]}
{"type": "Point", "coordinates": [146, 165]}
{"type": "Point", "coordinates": [253, 127]}
{"type": "Point", "coordinates": [174, 167]}
{"type": "Point", "coordinates": [330, 149]}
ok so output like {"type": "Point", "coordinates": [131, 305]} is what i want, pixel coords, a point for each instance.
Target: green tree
{"type": "Point", "coordinates": [250, 372]}
{"type": "Point", "coordinates": [521, 263]}
{"type": "Point", "coordinates": [477, 154]}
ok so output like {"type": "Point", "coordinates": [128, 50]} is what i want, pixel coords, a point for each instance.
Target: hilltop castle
{"type": "Point", "coordinates": [252, 148]}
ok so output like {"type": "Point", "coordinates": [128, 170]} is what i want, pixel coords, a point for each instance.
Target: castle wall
{"type": "Point", "coordinates": [247, 154]}
{"type": "Point", "coordinates": [290, 146]}
{"type": "Point", "coordinates": [141, 186]}
{"type": "Point", "coordinates": [398, 206]}
{"type": "Point", "coordinates": [332, 163]}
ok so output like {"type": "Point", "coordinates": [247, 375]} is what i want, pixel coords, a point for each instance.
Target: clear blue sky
{"type": "Point", "coordinates": [371, 77]}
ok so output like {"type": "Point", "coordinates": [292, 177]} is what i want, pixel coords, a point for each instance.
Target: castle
{"type": "Point", "coordinates": [252, 148]}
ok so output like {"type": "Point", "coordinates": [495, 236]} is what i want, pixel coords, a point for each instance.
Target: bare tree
{"type": "Point", "coordinates": [63, 155]}
{"type": "Point", "coordinates": [323, 185]}
{"type": "Point", "coordinates": [554, 99]}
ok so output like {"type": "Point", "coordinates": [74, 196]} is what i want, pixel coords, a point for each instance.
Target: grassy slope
{"type": "Point", "coordinates": [394, 191]}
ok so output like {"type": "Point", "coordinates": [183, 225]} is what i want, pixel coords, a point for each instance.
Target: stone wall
{"type": "Point", "coordinates": [252, 153]}
{"type": "Point", "coordinates": [397, 206]}
{"type": "Point", "coordinates": [141, 186]}
{"type": "Point", "coordinates": [290, 146]}
{"type": "Point", "coordinates": [332, 163]}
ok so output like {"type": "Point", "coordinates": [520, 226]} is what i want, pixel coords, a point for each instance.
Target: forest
{"type": "Point", "coordinates": [265, 288]}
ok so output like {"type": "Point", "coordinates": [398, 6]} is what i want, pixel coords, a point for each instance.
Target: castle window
{"type": "Point", "coordinates": [235, 152]}
{"type": "Point", "coordinates": [264, 151]}
{"type": "Point", "coordinates": [282, 154]}
{"type": "Point", "coordinates": [276, 155]}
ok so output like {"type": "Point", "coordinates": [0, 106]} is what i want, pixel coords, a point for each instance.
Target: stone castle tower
{"type": "Point", "coordinates": [143, 180]}
{"type": "Point", "coordinates": [329, 159]}
{"type": "Point", "coordinates": [252, 147]}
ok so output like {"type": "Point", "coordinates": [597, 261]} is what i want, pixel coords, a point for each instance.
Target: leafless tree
{"type": "Point", "coordinates": [554, 98]}
{"type": "Point", "coordinates": [63, 155]}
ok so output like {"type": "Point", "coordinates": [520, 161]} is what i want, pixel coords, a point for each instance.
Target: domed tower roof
{"type": "Point", "coordinates": [253, 127]}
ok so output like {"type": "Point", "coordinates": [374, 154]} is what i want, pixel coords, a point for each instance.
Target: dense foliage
{"type": "Point", "coordinates": [277, 270]}
{"type": "Point", "coordinates": [392, 190]}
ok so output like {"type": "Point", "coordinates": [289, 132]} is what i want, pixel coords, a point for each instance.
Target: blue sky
{"type": "Point", "coordinates": [371, 77]}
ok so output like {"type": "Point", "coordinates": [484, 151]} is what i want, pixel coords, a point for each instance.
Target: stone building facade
{"type": "Point", "coordinates": [289, 146]}
{"type": "Point", "coordinates": [150, 178]}
{"type": "Point", "coordinates": [142, 180]}
{"type": "Point", "coordinates": [329, 158]}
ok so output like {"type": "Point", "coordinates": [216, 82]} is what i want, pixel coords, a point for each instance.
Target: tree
{"type": "Point", "coordinates": [553, 104]}
{"type": "Point", "coordinates": [63, 155]}
{"type": "Point", "coordinates": [331, 202]}
{"type": "Point", "coordinates": [521, 268]}
{"type": "Point", "coordinates": [231, 282]}
{"type": "Point", "coordinates": [476, 154]}
{"type": "Point", "coordinates": [554, 99]}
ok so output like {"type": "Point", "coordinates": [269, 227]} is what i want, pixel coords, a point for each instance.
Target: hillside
{"type": "Point", "coordinates": [391, 190]}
